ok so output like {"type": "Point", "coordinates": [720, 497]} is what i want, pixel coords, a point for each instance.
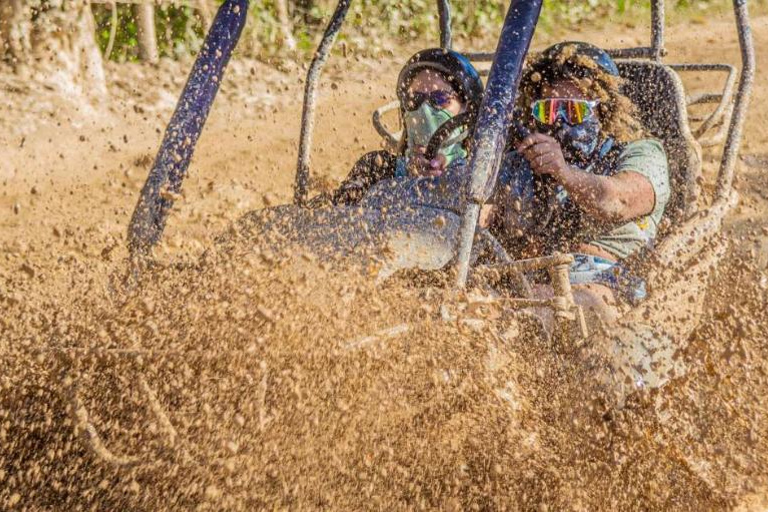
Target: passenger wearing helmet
{"type": "Point", "coordinates": [609, 181]}
{"type": "Point", "coordinates": [436, 86]}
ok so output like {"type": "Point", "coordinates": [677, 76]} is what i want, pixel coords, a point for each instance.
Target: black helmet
{"type": "Point", "coordinates": [454, 67]}
{"type": "Point", "coordinates": [550, 64]}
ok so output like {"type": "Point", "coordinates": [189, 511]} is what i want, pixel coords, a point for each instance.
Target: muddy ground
{"type": "Point", "coordinates": [255, 385]}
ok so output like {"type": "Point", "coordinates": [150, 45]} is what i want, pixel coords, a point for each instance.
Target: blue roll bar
{"type": "Point", "coordinates": [172, 160]}
{"type": "Point", "coordinates": [495, 118]}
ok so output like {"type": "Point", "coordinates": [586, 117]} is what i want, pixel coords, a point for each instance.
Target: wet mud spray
{"type": "Point", "coordinates": [250, 378]}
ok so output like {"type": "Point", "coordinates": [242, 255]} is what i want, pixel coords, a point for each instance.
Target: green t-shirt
{"type": "Point", "coordinates": [646, 157]}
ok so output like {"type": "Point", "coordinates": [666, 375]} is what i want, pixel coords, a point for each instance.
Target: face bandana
{"type": "Point", "coordinates": [578, 141]}
{"type": "Point", "coordinates": [422, 123]}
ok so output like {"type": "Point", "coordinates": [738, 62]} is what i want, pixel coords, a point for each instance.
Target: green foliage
{"type": "Point", "coordinates": [179, 31]}
{"type": "Point", "coordinates": [375, 25]}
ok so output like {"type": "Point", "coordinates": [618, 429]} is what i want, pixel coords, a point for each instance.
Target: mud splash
{"type": "Point", "coordinates": [249, 380]}
{"type": "Point", "coordinates": [257, 380]}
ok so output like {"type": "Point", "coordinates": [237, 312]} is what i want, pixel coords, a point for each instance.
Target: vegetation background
{"type": "Point", "coordinates": [373, 25]}
{"type": "Point", "coordinates": [61, 45]}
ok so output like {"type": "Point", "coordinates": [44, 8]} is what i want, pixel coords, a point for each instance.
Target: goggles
{"type": "Point", "coordinates": [438, 99]}
{"type": "Point", "coordinates": [571, 111]}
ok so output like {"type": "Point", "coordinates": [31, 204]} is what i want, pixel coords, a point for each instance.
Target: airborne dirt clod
{"type": "Point", "coordinates": [247, 379]}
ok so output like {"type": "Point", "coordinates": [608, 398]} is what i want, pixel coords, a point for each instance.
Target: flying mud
{"type": "Point", "coordinates": [239, 376]}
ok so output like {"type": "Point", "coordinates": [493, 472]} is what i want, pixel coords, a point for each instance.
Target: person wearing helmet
{"type": "Point", "coordinates": [436, 86]}
{"type": "Point", "coordinates": [608, 181]}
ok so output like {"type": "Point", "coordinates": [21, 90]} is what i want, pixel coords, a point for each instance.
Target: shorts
{"type": "Point", "coordinates": [593, 269]}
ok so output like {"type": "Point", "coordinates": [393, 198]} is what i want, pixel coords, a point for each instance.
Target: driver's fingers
{"type": "Point", "coordinates": [420, 166]}
{"type": "Point", "coordinates": [543, 162]}
{"type": "Point", "coordinates": [547, 158]}
{"type": "Point", "coordinates": [538, 151]}
{"type": "Point", "coordinates": [541, 148]}
{"type": "Point", "coordinates": [439, 162]}
{"type": "Point", "coordinates": [532, 139]}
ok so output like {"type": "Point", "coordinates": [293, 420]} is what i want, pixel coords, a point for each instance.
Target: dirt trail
{"type": "Point", "coordinates": [295, 388]}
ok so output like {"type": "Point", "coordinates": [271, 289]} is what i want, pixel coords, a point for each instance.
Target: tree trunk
{"type": "Point", "coordinates": [145, 22]}
{"type": "Point", "coordinates": [286, 27]}
{"type": "Point", "coordinates": [15, 29]}
{"type": "Point", "coordinates": [205, 14]}
{"type": "Point", "coordinates": [56, 49]}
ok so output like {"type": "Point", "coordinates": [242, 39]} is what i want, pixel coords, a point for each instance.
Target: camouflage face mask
{"type": "Point", "coordinates": [578, 141]}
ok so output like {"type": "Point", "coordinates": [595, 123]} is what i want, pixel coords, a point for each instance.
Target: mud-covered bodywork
{"type": "Point", "coordinates": [380, 242]}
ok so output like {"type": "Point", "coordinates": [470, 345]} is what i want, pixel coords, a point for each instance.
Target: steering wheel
{"type": "Point", "coordinates": [545, 202]}
{"type": "Point", "coordinates": [544, 187]}
{"type": "Point", "coordinates": [445, 130]}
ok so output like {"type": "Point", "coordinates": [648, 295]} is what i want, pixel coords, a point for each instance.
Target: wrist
{"type": "Point", "coordinates": [561, 172]}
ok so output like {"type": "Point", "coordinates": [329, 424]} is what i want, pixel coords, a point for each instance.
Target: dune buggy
{"type": "Point", "coordinates": [639, 351]}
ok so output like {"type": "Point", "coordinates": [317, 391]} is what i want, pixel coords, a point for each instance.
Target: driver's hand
{"type": "Point", "coordinates": [543, 154]}
{"type": "Point", "coordinates": [419, 166]}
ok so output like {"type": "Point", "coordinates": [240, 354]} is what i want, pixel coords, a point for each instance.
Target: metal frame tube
{"type": "Point", "coordinates": [639, 52]}
{"type": "Point", "coordinates": [494, 119]}
{"type": "Point", "coordinates": [723, 100]}
{"type": "Point", "coordinates": [444, 11]}
{"type": "Point", "coordinates": [301, 184]}
{"type": "Point", "coordinates": [747, 76]}
{"type": "Point", "coordinates": [181, 135]}
{"type": "Point", "coordinates": [655, 51]}
{"type": "Point", "coordinates": [657, 30]}
{"type": "Point", "coordinates": [391, 140]}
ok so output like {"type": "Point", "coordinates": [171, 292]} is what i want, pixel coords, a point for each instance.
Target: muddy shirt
{"type": "Point", "coordinates": [568, 225]}
{"type": "Point", "coordinates": [368, 170]}
{"type": "Point", "coordinates": [646, 157]}
{"type": "Point", "coordinates": [385, 175]}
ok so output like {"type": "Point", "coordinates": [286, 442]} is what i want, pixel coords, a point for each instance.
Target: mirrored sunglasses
{"type": "Point", "coordinates": [569, 110]}
{"type": "Point", "coordinates": [438, 99]}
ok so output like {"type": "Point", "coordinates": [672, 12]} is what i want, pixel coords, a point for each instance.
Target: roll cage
{"type": "Point", "coordinates": [489, 137]}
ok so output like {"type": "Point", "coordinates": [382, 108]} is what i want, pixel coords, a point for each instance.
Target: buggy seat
{"type": "Point", "coordinates": [657, 92]}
